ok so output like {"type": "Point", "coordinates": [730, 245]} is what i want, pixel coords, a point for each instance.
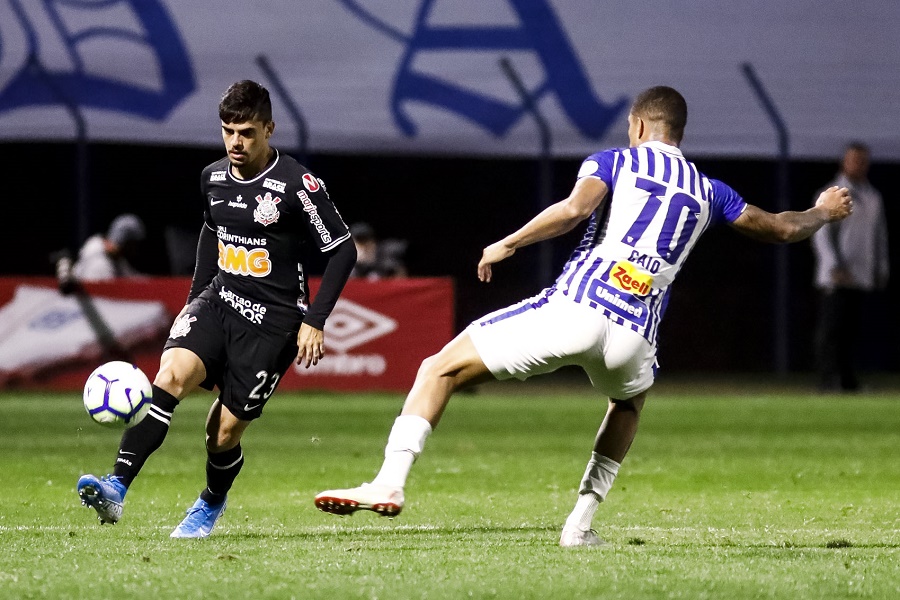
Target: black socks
{"type": "Point", "coordinates": [221, 470]}
{"type": "Point", "coordinates": [142, 440]}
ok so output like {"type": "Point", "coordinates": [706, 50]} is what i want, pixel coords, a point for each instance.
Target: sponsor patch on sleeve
{"type": "Point", "coordinates": [310, 183]}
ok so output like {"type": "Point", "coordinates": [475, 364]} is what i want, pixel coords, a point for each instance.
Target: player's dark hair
{"type": "Point", "coordinates": [858, 146]}
{"type": "Point", "coordinates": [664, 104]}
{"type": "Point", "coordinates": [245, 101]}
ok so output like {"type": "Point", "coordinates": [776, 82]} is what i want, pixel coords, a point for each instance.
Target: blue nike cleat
{"type": "Point", "coordinates": [106, 495]}
{"type": "Point", "coordinates": [200, 520]}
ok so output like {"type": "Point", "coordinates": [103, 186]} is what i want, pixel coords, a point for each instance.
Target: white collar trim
{"type": "Point", "coordinates": [663, 147]}
{"type": "Point", "coordinates": [258, 177]}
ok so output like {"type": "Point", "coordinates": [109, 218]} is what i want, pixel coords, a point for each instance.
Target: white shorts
{"type": "Point", "coordinates": [541, 334]}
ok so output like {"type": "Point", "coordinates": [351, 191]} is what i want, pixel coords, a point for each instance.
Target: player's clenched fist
{"type": "Point", "coordinates": [837, 202]}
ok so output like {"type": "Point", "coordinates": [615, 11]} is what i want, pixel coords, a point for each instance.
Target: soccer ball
{"type": "Point", "coordinates": [117, 394]}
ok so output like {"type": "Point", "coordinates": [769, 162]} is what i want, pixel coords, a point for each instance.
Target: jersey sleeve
{"type": "Point", "coordinates": [204, 195]}
{"type": "Point", "coordinates": [599, 165]}
{"type": "Point", "coordinates": [204, 185]}
{"type": "Point", "coordinates": [727, 204]}
{"type": "Point", "coordinates": [326, 227]}
{"type": "Point", "coordinates": [206, 264]}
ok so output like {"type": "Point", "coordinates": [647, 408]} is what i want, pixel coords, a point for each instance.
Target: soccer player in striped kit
{"type": "Point", "coordinates": [647, 206]}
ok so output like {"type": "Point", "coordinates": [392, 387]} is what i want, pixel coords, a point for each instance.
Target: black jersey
{"type": "Point", "coordinates": [262, 225]}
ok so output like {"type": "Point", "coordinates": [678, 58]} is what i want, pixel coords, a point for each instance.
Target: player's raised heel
{"type": "Point", "coordinates": [573, 537]}
{"type": "Point", "coordinates": [384, 500]}
{"type": "Point", "coordinates": [200, 520]}
{"type": "Point", "coordinates": [106, 495]}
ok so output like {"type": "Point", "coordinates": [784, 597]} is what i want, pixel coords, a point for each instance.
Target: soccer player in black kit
{"type": "Point", "coordinates": [247, 316]}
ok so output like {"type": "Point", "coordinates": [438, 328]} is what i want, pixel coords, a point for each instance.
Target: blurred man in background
{"type": "Point", "coordinates": [851, 263]}
{"type": "Point", "coordinates": [376, 259]}
{"type": "Point", "coordinates": [101, 258]}
{"type": "Point", "coordinates": [107, 256]}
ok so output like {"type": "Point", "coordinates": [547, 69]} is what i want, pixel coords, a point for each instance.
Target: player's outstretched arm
{"type": "Point", "coordinates": [553, 221]}
{"type": "Point", "coordinates": [832, 205]}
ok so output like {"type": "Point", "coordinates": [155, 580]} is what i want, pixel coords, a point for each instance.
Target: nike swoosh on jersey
{"type": "Point", "coordinates": [248, 408]}
{"type": "Point", "coordinates": [214, 201]}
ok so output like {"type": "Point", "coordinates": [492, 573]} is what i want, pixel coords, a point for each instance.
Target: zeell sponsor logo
{"type": "Point", "coordinates": [628, 278]}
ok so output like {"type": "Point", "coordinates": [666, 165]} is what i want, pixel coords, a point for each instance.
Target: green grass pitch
{"type": "Point", "coordinates": [737, 495]}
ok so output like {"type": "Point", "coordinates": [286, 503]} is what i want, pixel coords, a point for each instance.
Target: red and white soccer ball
{"type": "Point", "coordinates": [117, 394]}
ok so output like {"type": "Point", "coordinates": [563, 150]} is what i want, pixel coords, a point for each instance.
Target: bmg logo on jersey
{"type": "Point", "coordinates": [239, 260]}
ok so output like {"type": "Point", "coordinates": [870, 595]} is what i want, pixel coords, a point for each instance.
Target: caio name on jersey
{"type": "Point", "coordinates": [217, 176]}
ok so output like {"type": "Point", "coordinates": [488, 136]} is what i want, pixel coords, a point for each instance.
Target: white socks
{"type": "Point", "coordinates": [405, 443]}
{"type": "Point", "coordinates": [583, 513]}
{"type": "Point", "coordinates": [595, 484]}
{"type": "Point", "coordinates": [599, 476]}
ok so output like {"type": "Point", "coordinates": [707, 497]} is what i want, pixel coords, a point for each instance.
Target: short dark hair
{"type": "Point", "coordinates": [245, 101]}
{"type": "Point", "coordinates": [665, 104]}
{"type": "Point", "coordinates": [858, 146]}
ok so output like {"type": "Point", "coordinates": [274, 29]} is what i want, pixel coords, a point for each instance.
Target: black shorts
{"type": "Point", "coordinates": [243, 360]}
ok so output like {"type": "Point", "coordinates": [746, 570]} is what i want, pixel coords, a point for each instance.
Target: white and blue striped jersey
{"type": "Point", "coordinates": [657, 207]}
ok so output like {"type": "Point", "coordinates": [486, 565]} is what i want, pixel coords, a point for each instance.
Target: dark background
{"type": "Point", "coordinates": [449, 208]}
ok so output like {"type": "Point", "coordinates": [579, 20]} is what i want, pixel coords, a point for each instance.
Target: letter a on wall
{"type": "Point", "coordinates": [538, 31]}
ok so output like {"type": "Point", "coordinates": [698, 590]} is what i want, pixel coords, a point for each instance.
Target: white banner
{"type": "Point", "coordinates": [41, 329]}
{"type": "Point", "coordinates": [412, 76]}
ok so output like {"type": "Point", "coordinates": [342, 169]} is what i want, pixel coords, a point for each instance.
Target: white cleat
{"type": "Point", "coordinates": [384, 500]}
{"type": "Point", "coordinates": [573, 537]}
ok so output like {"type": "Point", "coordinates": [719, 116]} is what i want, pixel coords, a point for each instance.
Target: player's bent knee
{"type": "Point", "coordinates": [222, 442]}
{"type": "Point", "coordinates": [429, 367]}
{"type": "Point", "coordinates": [180, 372]}
{"type": "Point", "coordinates": [173, 383]}
{"type": "Point", "coordinates": [455, 371]}
{"type": "Point", "coordinates": [225, 436]}
{"type": "Point", "coordinates": [223, 429]}
{"type": "Point", "coordinates": [457, 359]}
{"type": "Point", "coordinates": [226, 439]}
{"type": "Point", "coordinates": [634, 404]}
